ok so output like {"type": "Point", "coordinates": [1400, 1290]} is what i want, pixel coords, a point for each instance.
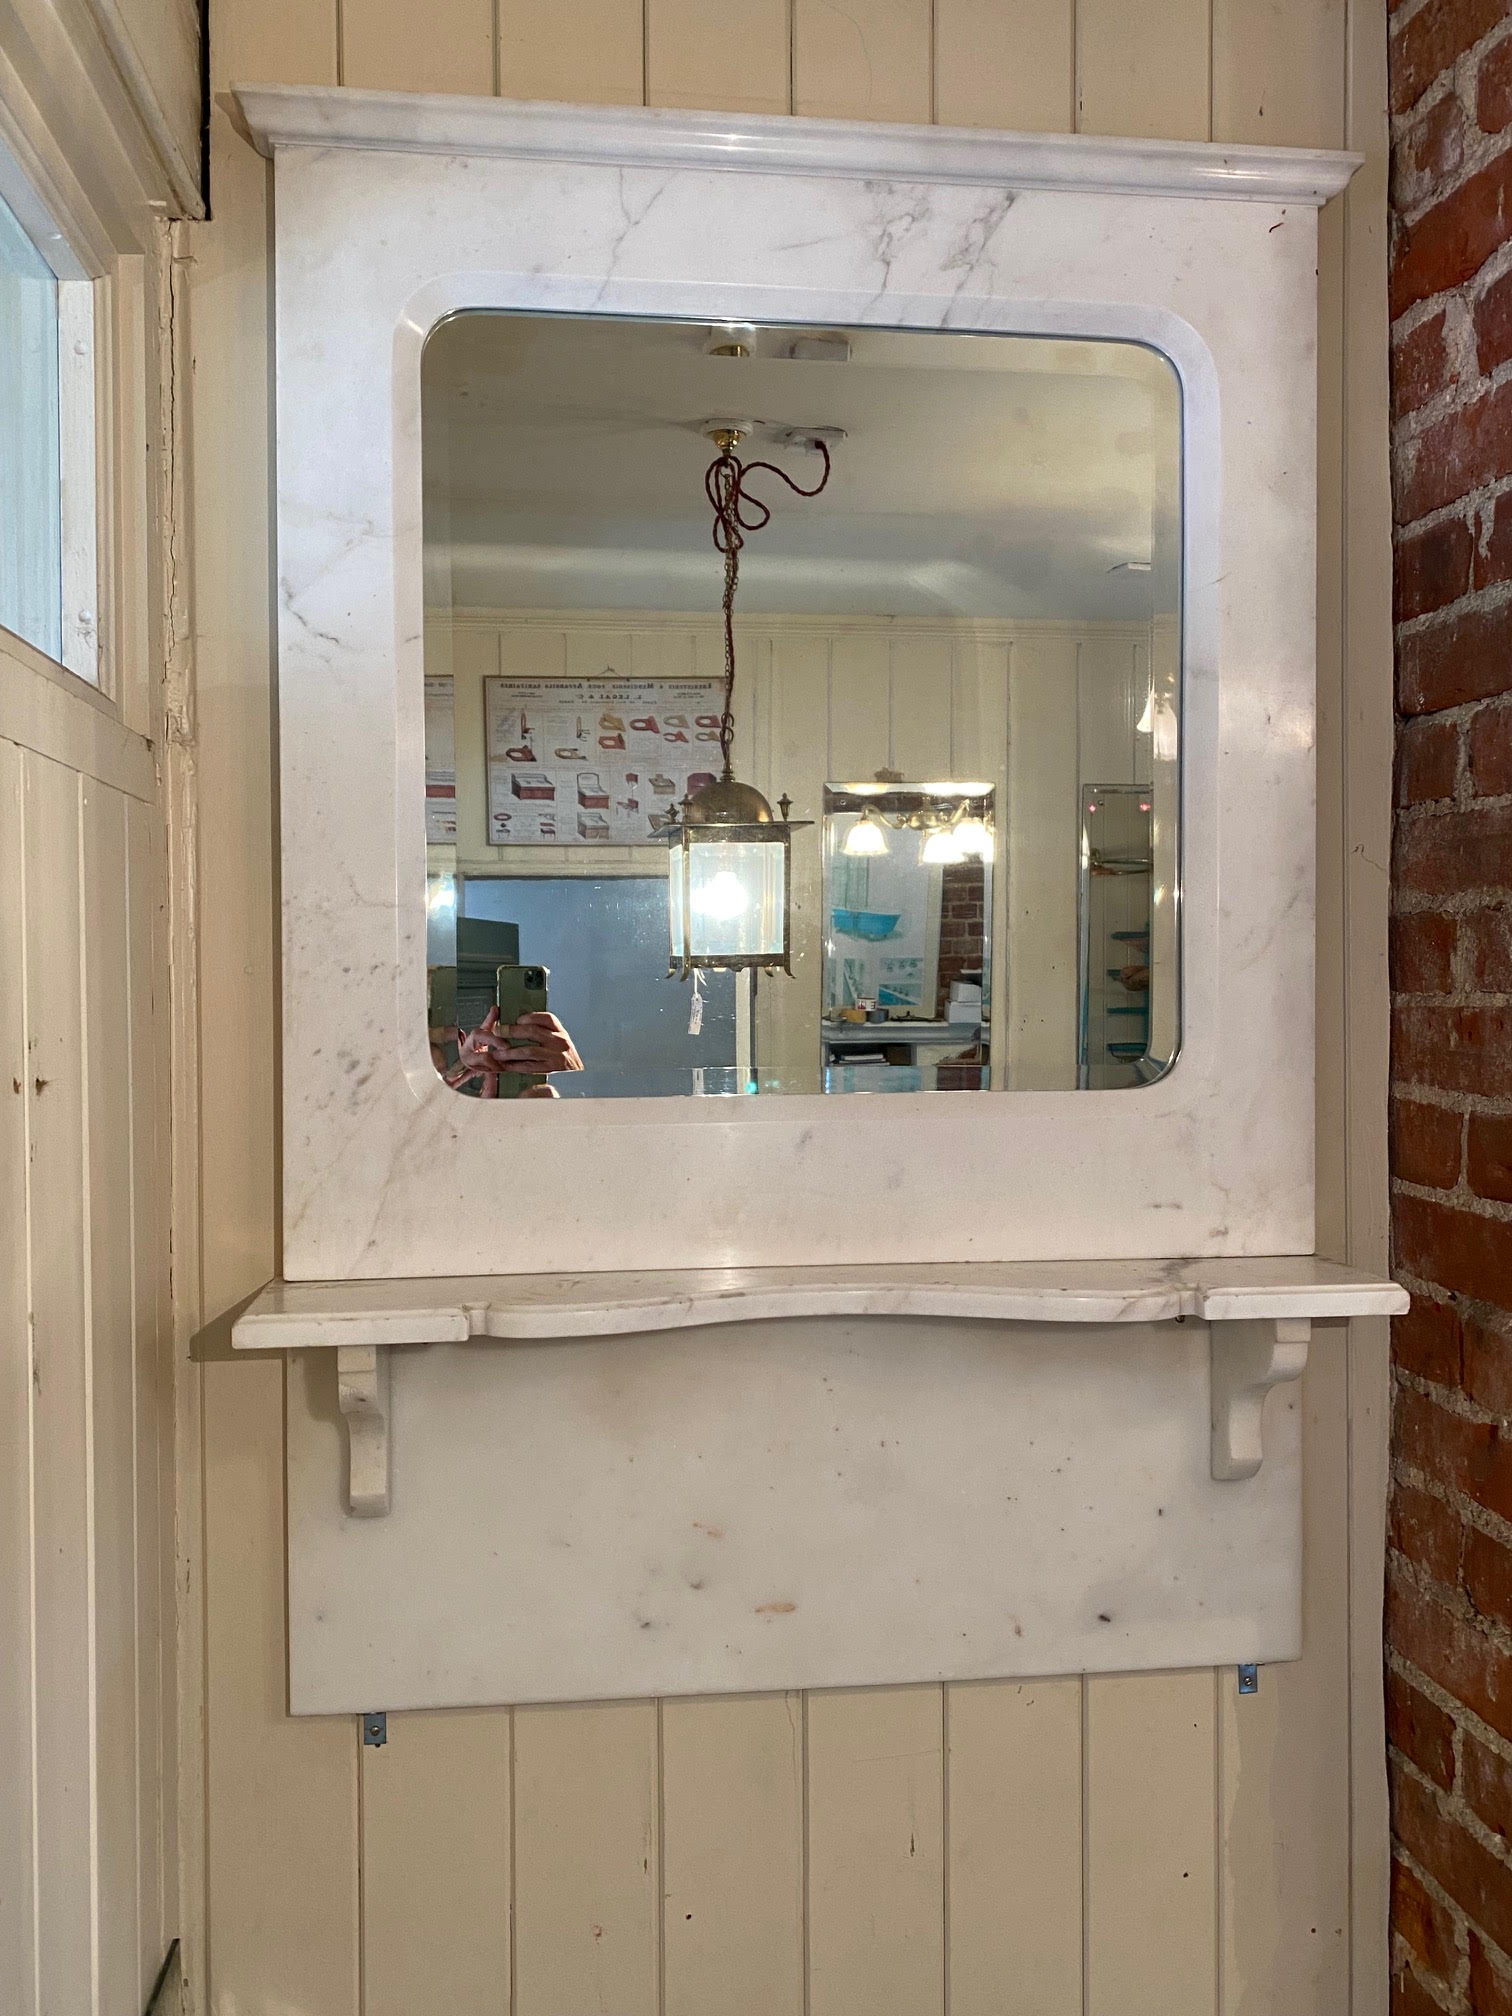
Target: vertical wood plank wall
{"type": "Point", "coordinates": [87, 1858]}
{"type": "Point", "coordinates": [1141, 1846]}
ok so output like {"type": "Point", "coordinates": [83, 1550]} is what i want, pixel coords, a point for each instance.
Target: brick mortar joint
{"type": "Point", "coordinates": [1458, 77]}
{"type": "Point", "coordinates": [1459, 1607]}
{"type": "Point", "coordinates": [1470, 1202]}
{"type": "Point", "coordinates": [1468, 383]}
{"type": "Point", "coordinates": [1464, 509]}
{"type": "Point", "coordinates": [1469, 1511]}
{"type": "Point", "coordinates": [1458, 510]}
{"type": "Point", "coordinates": [1458, 1196]}
{"type": "Point", "coordinates": [1462, 713]}
{"type": "Point", "coordinates": [1468, 1820]}
{"type": "Point", "coordinates": [1458, 1712]}
{"type": "Point", "coordinates": [1408, 1093]}
{"type": "Point", "coordinates": [1425, 810]}
{"type": "Point", "coordinates": [1457, 394]}
{"type": "Point", "coordinates": [1460, 1919]}
{"type": "Point", "coordinates": [1400, 16]}
{"type": "Point", "coordinates": [1482, 150]}
{"type": "Point", "coordinates": [1472, 1515]}
{"type": "Point", "coordinates": [1466, 1305]}
{"type": "Point", "coordinates": [1456, 903]}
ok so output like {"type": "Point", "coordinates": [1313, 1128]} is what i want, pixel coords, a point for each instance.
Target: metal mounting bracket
{"type": "Point", "coordinates": [1247, 1358]}
{"type": "Point", "coordinates": [362, 1389]}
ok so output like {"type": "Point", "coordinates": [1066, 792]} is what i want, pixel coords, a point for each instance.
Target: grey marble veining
{"type": "Point", "coordinates": [737, 1476]}
{"type": "Point", "coordinates": [377, 238]}
{"type": "Point", "coordinates": [800, 1504]}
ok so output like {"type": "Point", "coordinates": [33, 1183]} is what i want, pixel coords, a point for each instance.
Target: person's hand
{"type": "Point", "coordinates": [536, 1044]}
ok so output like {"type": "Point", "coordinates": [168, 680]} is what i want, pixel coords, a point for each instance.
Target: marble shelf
{"type": "Point", "coordinates": [308, 115]}
{"type": "Point", "coordinates": [1259, 1311]}
{"type": "Point", "coordinates": [315, 1315]}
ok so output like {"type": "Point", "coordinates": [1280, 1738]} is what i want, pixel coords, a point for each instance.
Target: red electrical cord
{"type": "Point", "coordinates": [737, 512]}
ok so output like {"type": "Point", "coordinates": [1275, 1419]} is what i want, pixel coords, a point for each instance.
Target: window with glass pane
{"type": "Point", "coordinates": [31, 557]}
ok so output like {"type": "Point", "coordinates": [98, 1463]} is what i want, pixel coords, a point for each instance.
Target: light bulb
{"type": "Point", "coordinates": [942, 848]}
{"type": "Point", "coordinates": [975, 839]}
{"type": "Point", "coordinates": [866, 837]}
{"type": "Point", "coordinates": [724, 898]}
{"type": "Point", "coordinates": [1146, 722]}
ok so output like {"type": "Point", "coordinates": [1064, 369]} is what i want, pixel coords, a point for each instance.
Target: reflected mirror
{"type": "Point", "coordinates": [802, 709]}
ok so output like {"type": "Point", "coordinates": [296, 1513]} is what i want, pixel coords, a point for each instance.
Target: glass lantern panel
{"type": "Point", "coordinates": [677, 871]}
{"type": "Point", "coordinates": [736, 904]}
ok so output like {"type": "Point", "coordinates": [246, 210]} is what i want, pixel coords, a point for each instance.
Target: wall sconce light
{"type": "Point", "coordinates": [942, 847]}
{"type": "Point", "coordinates": [868, 836]}
{"type": "Point", "coordinates": [947, 818]}
{"type": "Point", "coordinates": [976, 839]}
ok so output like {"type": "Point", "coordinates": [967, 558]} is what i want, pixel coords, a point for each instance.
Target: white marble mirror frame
{"type": "Point", "coordinates": [393, 212]}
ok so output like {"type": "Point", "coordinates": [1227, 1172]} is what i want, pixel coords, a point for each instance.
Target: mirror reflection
{"type": "Point", "coordinates": [802, 709]}
{"type": "Point", "coordinates": [907, 936]}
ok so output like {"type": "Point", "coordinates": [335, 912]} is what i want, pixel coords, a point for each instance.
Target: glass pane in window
{"type": "Point", "coordinates": [30, 521]}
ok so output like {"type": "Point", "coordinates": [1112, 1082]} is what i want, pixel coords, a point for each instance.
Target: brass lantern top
{"type": "Point", "coordinates": [727, 802]}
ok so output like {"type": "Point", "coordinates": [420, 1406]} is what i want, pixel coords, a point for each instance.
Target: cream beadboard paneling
{"type": "Point", "coordinates": [704, 52]}
{"type": "Point", "coordinates": [443, 1779]}
{"type": "Point", "coordinates": [1000, 1848]}
{"type": "Point", "coordinates": [448, 45]}
{"type": "Point", "coordinates": [733, 1855]}
{"type": "Point", "coordinates": [589, 52]}
{"type": "Point", "coordinates": [87, 1876]}
{"type": "Point", "coordinates": [865, 59]}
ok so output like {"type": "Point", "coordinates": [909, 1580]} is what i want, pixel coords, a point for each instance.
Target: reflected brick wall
{"type": "Point", "coordinates": [1449, 1611]}
{"type": "Point", "coordinates": [962, 924]}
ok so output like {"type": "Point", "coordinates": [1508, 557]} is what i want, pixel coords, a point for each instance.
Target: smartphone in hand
{"type": "Point", "coordinates": [520, 990]}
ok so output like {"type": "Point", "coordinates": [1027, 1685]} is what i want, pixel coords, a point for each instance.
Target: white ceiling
{"type": "Point", "coordinates": [980, 475]}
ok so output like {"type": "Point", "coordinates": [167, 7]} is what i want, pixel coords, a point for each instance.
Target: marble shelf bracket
{"type": "Point", "coordinates": [1248, 1358]}
{"type": "Point", "coordinates": [362, 1389]}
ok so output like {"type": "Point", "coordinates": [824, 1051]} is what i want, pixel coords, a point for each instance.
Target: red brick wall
{"type": "Point", "coordinates": [1449, 1608]}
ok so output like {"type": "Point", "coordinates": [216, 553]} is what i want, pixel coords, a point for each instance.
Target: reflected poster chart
{"type": "Point", "coordinates": [595, 762]}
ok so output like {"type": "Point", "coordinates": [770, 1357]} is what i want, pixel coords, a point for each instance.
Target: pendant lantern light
{"type": "Point", "coordinates": [729, 867]}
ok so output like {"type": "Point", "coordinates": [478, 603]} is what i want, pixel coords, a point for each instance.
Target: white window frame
{"type": "Point", "coordinates": [81, 457]}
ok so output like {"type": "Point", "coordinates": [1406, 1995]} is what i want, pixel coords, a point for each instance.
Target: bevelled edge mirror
{"type": "Point", "coordinates": [386, 230]}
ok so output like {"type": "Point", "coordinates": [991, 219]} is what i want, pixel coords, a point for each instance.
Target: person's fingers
{"type": "Point", "coordinates": [558, 1048]}
{"type": "Point", "coordinates": [490, 1021]}
{"type": "Point", "coordinates": [546, 1031]}
{"type": "Point", "coordinates": [489, 1089]}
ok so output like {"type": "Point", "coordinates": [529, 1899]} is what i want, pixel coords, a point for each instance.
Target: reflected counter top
{"type": "Point", "coordinates": [867, 1035]}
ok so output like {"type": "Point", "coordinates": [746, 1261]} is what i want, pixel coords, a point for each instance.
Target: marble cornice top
{"type": "Point", "coordinates": [305, 115]}
{"type": "Point", "coordinates": [306, 1315]}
